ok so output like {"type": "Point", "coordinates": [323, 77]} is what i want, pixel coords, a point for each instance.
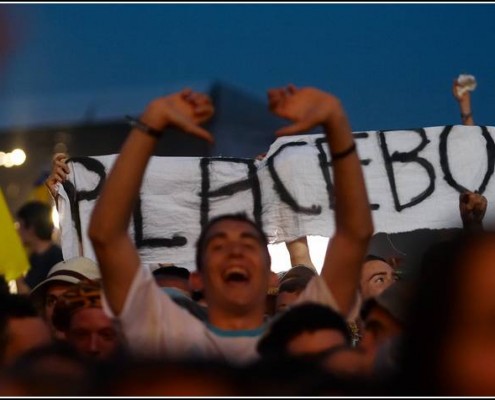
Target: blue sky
{"type": "Point", "coordinates": [392, 65]}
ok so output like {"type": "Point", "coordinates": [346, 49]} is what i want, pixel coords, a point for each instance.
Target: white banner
{"type": "Point", "coordinates": [413, 179]}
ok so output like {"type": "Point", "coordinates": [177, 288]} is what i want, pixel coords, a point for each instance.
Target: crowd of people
{"type": "Point", "coordinates": [232, 327]}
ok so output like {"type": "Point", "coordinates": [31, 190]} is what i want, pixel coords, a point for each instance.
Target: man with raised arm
{"type": "Point", "coordinates": [232, 257]}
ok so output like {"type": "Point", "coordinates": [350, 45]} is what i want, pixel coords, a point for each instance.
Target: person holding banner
{"type": "Point", "coordinates": [233, 262]}
{"type": "Point", "coordinates": [58, 174]}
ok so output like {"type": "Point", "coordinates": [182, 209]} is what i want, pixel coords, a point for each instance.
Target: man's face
{"type": "Point", "coordinates": [26, 234]}
{"type": "Point", "coordinates": [236, 266]}
{"type": "Point", "coordinates": [53, 292]}
{"type": "Point", "coordinates": [285, 300]}
{"type": "Point", "coordinates": [92, 333]}
{"type": "Point", "coordinates": [376, 276]}
{"type": "Point", "coordinates": [24, 334]}
{"type": "Point", "coordinates": [379, 327]}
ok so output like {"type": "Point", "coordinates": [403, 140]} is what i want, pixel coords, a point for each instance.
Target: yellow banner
{"type": "Point", "coordinates": [13, 258]}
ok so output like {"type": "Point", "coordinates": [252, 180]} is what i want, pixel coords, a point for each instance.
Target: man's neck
{"type": "Point", "coordinates": [227, 321]}
{"type": "Point", "coordinates": [40, 246]}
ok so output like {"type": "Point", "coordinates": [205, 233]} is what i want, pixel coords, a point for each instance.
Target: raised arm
{"type": "Point", "coordinates": [117, 255]}
{"type": "Point", "coordinates": [308, 107]}
{"type": "Point", "coordinates": [463, 98]}
{"type": "Point", "coordinates": [59, 173]}
{"type": "Point", "coordinates": [299, 252]}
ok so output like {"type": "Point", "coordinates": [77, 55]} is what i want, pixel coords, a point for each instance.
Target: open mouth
{"type": "Point", "coordinates": [236, 275]}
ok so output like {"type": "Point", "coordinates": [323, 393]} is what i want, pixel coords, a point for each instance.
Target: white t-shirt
{"type": "Point", "coordinates": [154, 325]}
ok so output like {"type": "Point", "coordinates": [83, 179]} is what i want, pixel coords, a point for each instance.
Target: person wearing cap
{"type": "Point", "coordinates": [385, 318]}
{"type": "Point", "coordinates": [377, 274]}
{"type": "Point", "coordinates": [78, 313]}
{"type": "Point", "coordinates": [292, 283]}
{"type": "Point", "coordinates": [61, 277]}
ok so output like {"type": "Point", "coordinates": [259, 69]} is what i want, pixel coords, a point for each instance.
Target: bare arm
{"type": "Point", "coordinates": [464, 101]}
{"type": "Point", "coordinates": [309, 107]}
{"type": "Point", "coordinates": [299, 252]}
{"type": "Point", "coordinates": [117, 255]}
{"type": "Point", "coordinates": [59, 173]}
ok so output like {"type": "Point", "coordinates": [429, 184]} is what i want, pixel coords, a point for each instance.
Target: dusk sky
{"type": "Point", "coordinates": [392, 65]}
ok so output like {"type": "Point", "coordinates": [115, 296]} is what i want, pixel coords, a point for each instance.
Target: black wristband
{"type": "Point", "coordinates": [345, 153]}
{"type": "Point", "coordinates": [138, 124]}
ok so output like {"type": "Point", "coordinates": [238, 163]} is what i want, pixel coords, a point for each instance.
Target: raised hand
{"type": "Point", "coordinates": [464, 101]}
{"type": "Point", "coordinates": [307, 107]}
{"type": "Point", "coordinates": [459, 97]}
{"type": "Point", "coordinates": [472, 207]}
{"type": "Point", "coordinates": [185, 110]}
{"type": "Point", "coordinates": [59, 173]}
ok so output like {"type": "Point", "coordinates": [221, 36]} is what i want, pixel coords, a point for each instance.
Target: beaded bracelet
{"type": "Point", "coordinates": [343, 154]}
{"type": "Point", "coordinates": [466, 116]}
{"type": "Point", "coordinates": [138, 124]}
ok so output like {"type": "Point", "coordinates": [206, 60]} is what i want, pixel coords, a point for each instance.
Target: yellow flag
{"type": "Point", "coordinates": [13, 258]}
{"type": "Point", "coordinates": [40, 193]}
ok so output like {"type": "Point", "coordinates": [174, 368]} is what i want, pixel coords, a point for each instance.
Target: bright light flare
{"type": "Point", "coordinates": [14, 158]}
{"type": "Point", "coordinates": [18, 156]}
{"type": "Point", "coordinates": [55, 218]}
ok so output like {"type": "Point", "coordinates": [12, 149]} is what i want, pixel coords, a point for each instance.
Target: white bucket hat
{"type": "Point", "coordinates": [73, 271]}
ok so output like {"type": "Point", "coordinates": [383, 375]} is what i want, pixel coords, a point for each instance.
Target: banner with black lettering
{"type": "Point", "coordinates": [413, 178]}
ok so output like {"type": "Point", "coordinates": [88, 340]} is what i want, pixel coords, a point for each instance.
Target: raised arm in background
{"type": "Point", "coordinates": [59, 173]}
{"type": "Point", "coordinates": [117, 255]}
{"type": "Point", "coordinates": [299, 252]}
{"type": "Point", "coordinates": [464, 101]}
{"type": "Point", "coordinates": [308, 107]}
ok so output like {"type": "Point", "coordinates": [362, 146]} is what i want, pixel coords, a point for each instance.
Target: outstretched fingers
{"type": "Point", "coordinates": [293, 129]}
{"type": "Point", "coordinates": [200, 132]}
{"type": "Point", "coordinates": [191, 127]}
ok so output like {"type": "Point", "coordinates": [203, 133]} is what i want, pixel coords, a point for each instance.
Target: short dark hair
{"type": "Point", "coordinates": [293, 285]}
{"type": "Point", "coordinates": [373, 257]}
{"type": "Point", "coordinates": [30, 371]}
{"type": "Point", "coordinates": [38, 215]}
{"type": "Point", "coordinates": [296, 279]}
{"type": "Point", "coordinates": [13, 306]}
{"type": "Point", "coordinates": [241, 217]}
{"type": "Point", "coordinates": [171, 271]}
{"type": "Point", "coordinates": [307, 317]}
